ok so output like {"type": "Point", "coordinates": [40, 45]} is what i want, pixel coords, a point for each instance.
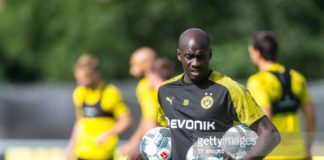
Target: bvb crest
{"type": "Point", "coordinates": [207, 101]}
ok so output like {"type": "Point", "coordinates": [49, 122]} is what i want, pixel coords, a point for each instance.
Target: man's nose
{"type": "Point", "coordinates": [195, 62]}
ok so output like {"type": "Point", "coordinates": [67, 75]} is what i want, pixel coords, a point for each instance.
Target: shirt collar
{"type": "Point", "coordinates": [276, 67]}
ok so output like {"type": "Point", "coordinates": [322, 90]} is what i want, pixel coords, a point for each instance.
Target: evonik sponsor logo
{"type": "Point", "coordinates": [191, 124]}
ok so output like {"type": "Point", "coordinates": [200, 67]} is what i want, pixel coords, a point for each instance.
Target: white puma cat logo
{"type": "Point", "coordinates": [169, 99]}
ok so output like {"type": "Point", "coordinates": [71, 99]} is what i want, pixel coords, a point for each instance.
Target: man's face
{"type": "Point", "coordinates": [254, 54]}
{"type": "Point", "coordinates": [86, 78]}
{"type": "Point", "coordinates": [136, 68]}
{"type": "Point", "coordinates": [195, 63]}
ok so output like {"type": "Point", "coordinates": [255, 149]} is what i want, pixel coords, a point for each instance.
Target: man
{"type": "Point", "coordinates": [201, 101]}
{"type": "Point", "coordinates": [142, 65]}
{"type": "Point", "coordinates": [101, 114]}
{"type": "Point", "coordinates": [281, 92]}
{"type": "Point", "coordinates": [164, 68]}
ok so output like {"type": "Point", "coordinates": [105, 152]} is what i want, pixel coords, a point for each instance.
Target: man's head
{"type": "Point", "coordinates": [141, 62]}
{"type": "Point", "coordinates": [164, 67]}
{"type": "Point", "coordinates": [194, 53]}
{"type": "Point", "coordinates": [263, 45]}
{"type": "Point", "coordinates": [86, 71]}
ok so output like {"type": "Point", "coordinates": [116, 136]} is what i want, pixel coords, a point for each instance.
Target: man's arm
{"type": "Point", "coordinates": [268, 138]}
{"type": "Point", "coordinates": [69, 153]}
{"type": "Point", "coordinates": [310, 125]}
{"type": "Point", "coordinates": [132, 144]}
{"type": "Point", "coordinates": [123, 122]}
{"type": "Point", "coordinates": [267, 111]}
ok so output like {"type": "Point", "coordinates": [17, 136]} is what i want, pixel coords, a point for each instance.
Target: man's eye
{"type": "Point", "coordinates": [202, 56]}
{"type": "Point", "coordinates": [188, 56]}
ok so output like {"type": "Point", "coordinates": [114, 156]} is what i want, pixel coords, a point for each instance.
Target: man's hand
{"type": "Point", "coordinates": [127, 149]}
{"type": "Point", "coordinates": [135, 155]}
{"type": "Point", "coordinates": [268, 139]}
{"type": "Point", "coordinates": [133, 142]}
{"type": "Point", "coordinates": [103, 138]}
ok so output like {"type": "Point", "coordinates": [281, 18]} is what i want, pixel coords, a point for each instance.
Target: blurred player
{"type": "Point", "coordinates": [151, 75]}
{"type": "Point", "coordinates": [101, 114]}
{"type": "Point", "coordinates": [281, 92]}
{"type": "Point", "coordinates": [164, 68]}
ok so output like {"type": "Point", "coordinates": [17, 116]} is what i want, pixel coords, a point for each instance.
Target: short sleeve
{"type": "Point", "coordinates": [148, 101]}
{"type": "Point", "coordinates": [258, 92]}
{"type": "Point", "coordinates": [112, 101]}
{"type": "Point", "coordinates": [78, 99]}
{"type": "Point", "coordinates": [120, 109]}
{"type": "Point", "coordinates": [161, 117]}
{"type": "Point", "coordinates": [246, 109]}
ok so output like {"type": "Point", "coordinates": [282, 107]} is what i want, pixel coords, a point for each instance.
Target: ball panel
{"type": "Point", "coordinates": [156, 144]}
{"type": "Point", "coordinates": [238, 140]}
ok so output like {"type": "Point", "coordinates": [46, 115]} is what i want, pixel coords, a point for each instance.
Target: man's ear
{"type": "Point", "coordinates": [179, 55]}
{"type": "Point", "coordinates": [257, 53]}
{"type": "Point", "coordinates": [253, 52]}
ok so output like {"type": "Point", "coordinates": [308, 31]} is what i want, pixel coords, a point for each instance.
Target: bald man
{"type": "Point", "coordinates": [142, 67]}
{"type": "Point", "coordinates": [201, 102]}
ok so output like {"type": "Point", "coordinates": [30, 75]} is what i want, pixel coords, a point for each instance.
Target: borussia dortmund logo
{"type": "Point", "coordinates": [207, 101]}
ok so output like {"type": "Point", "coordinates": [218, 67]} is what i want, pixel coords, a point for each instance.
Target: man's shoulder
{"type": "Point", "coordinates": [172, 80]}
{"type": "Point", "coordinates": [293, 73]}
{"type": "Point", "coordinates": [79, 94]}
{"type": "Point", "coordinates": [143, 84]}
{"type": "Point", "coordinates": [297, 75]}
{"type": "Point", "coordinates": [260, 75]}
{"type": "Point", "coordinates": [224, 80]}
{"type": "Point", "coordinates": [111, 88]}
{"type": "Point", "coordinates": [263, 76]}
{"type": "Point", "coordinates": [79, 90]}
{"type": "Point", "coordinates": [168, 84]}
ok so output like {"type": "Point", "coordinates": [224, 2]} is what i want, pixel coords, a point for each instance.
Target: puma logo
{"type": "Point", "coordinates": [169, 99]}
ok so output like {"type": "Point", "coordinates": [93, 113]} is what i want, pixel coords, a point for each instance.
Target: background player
{"type": "Point", "coordinates": [281, 92]}
{"type": "Point", "coordinates": [164, 68]}
{"type": "Point", "coordinates": [101, 114]}
{"type": "Point", "coordinates": [151, 75]}
{"type": "Point", "coordinates": [202, 96]}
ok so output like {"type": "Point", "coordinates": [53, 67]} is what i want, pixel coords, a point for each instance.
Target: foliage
{"type": "Point", "coordinates": [40, 40]}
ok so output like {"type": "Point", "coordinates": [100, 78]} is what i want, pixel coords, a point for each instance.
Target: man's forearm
{"type": "Point", "coordinates": [124, 121]}
{"type": "Point", "coordinates": [72, 143]}
{"type": "Point", "coordinates": [265, 144]}
{"type": "Point", "coordinates": [268, 139]}
{"type": "Point", "coordinates": [144, 126]}
{"type": "Point", "coordinates": [310, 124]}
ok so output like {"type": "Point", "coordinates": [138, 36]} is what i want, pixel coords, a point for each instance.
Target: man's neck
{"type": "Point", "coordinates": [154, 80]}
{"type": "Point", "coordinates": [263, 65]}
{"type": "Point", "coordinates": [96, 84]}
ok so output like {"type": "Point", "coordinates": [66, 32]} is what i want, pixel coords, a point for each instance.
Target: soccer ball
{"type": "Point", "coordinates": [156, 144]}
{"type": "Point", "coordinates": [238, 140]}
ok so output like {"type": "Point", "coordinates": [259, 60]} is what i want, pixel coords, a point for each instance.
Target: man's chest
{"type": "Point", "coordinates": [205, 103]}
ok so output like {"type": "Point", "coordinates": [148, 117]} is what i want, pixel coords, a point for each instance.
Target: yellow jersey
{"type": "Point", "coordinates": [97, 110]}
{"type": "Point", "coordinates": [266, 89]}
{"type": "Point", "coordinates": [147, 99]}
